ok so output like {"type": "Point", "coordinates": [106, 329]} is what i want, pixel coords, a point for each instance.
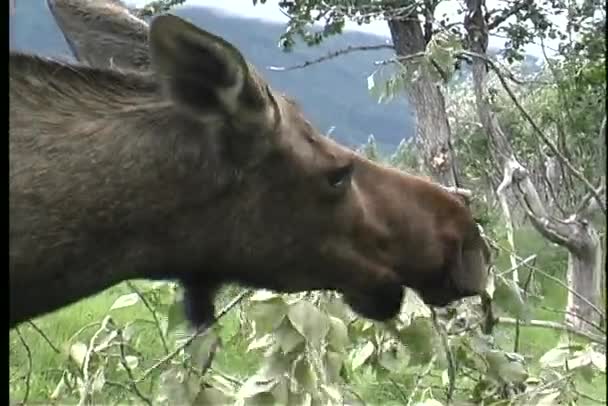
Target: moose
{"type": "Point", "coordinates": [179, 162]}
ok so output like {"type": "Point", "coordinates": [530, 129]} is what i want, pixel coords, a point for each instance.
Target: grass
{"type": "Point", "coordinates": [234, 360]}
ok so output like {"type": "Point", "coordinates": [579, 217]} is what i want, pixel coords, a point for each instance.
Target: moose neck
{"type": "Point", "coordinates": [115, 172]}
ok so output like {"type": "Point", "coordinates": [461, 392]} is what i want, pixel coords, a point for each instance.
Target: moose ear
{"type": "Point", "coordinates": [103, 33]}
{"type": "Point", "coordinates": [206, 75]}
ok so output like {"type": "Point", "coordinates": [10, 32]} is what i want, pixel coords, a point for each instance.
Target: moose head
{"type": "Point", "coordinates": [193, 168]}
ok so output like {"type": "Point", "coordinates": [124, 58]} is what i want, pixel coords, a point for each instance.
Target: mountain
{"type": "Point", "coordinates": [333, 93]}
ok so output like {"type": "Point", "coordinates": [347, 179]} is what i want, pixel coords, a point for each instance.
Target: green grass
{"type": "Point", "coordinates": [234, 360]}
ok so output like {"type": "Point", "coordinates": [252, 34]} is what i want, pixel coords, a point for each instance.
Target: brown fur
{"type": "Point", "coordinates": [198, 171]}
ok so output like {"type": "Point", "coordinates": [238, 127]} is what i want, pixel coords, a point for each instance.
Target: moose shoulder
{"type": "Point", "coordinates": [198, 171]}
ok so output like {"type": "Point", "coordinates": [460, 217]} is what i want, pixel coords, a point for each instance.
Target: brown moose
{"type": "Point", "coordinates": [196, 170]}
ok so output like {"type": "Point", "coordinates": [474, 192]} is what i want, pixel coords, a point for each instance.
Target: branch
{"type": "Point", "coordinates": [331, 55]}
{"type": "Point", "coordinates": [190, 339]}
{"type": "Point", "coordinates": [555, 326]}
{"type": "Point", "coordinates": [552, 278]}
{"type": "Point", "coordinates": [28, 376]}
{"type": "Point", "coordinates": [508, 13]}
{"type": "Point", "coordinates": [153, 313]}
{"type": "Point", "coordinates": [44, 337]}
{"type": "Point", "coordinates": [517, 266]}
{"type": "Point", "coordinates": [132, 383]}
{"type": "Point", "coordinates": [577, 174]}
{"type": "Point", "coordinates": [466, 193]}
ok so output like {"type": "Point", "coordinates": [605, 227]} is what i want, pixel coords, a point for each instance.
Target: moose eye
{"type": "Point", "coordinates": [340, 177]}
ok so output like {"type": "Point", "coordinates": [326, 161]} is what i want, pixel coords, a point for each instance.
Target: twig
{"type": "Point", "coordinates": [541, 387]}
{"type": "Point", "coordinates": [132, 384]}
{"type": "Point", "coordinates": [514, 9]}
{"type": "Point", "coordinates": [458, 191]}
{"type": "Point", "coordinates": [28, 376]}
{"type": "Point", "coordinates": [517, 321]}
{"type": "Point", "coordinates": [517, 266]}
{"type": "Point", "coordinates": [84, 393]}
{"type": "Point", "coordinates": [575, 172]}
{"type": "Point", "coordinates": [556, 280]}
{"type": "Point", "coordinates": [450, 356]}
{"type": "Point", "coordinates": [331, 55]}
{"type": "Point", "coordinates": [153, 313]}
{"type": "Point", "coordinates": [573, 314]}
{"type": "Point", "coordinates": [585, 396]}
{"type": "Point", "coordinates": [555, 326]}
{"type": "Point", "coordinates": [189, 340]}
{"type": "Point", "coordinates": [419, 377]}
{"type": "Point", "coordinates": [44, 336]}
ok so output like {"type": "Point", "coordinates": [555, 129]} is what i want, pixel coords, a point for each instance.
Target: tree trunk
{"type": "Point", "coordinates": [432, 127]}
{"type": "Point", "coordinates": [575, 234]}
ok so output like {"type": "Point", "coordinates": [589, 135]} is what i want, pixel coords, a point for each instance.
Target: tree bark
{"type": "Point", "coordinates": [433, 134]}
{"type": "Point", "coordinates": [575, 234]}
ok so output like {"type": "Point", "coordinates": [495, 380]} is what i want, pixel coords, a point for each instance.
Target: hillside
{"type": "Point", "coordinates": [332, 93]}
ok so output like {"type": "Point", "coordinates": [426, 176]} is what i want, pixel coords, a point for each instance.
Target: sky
{"type": "Point", "coordinates": [270, 11]}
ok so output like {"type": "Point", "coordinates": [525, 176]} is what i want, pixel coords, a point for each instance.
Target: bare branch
{"type": "Point", "coordinates": [28, 376]}
{"type": "Point", "coordinates": [596, 326]}
{"type": "Point", "coordinates": [514, 9]}
{"type": "Point", "coordinates": [555, 326]}
{"type": "Point", "coordinates": [331, 55]}
{"type": "Point", "coordinates": [132, 383]}
{"type": "Point", "coordinates": [576, 173]}
{"type": "Point", "coordinates": [190, 339]}
{"type": "Point", "coordinates": [519, 265]}
{"type": "Point", "coordinates": [44, 337]}
{"type": "Point", "coordinates": [550, 277]}
{"type": "Point", "coordinates": [153, 313]}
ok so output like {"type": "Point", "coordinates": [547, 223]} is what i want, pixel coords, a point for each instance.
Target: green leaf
{"type": "Point", "coordinates": [202, 348]}
{"type": "Point", "coordinates": [503, 369]}
{"type": "Point", "coordinates": [288, 337]}
{"type": "Point", "coordinates": [261, 342]}
{"type": "Point", "coordinates": [176, 316]}
{"type": "Point", "coordinates": [555, 357]}
{"type": "Point", "coordinates": [309, 321]}
{"type": "Point", "coordinates": [599, 361]}
{"type": "Point", "coordinates": [255, 385]}
{"type": "Point", "coordinates": [281, 392]}
{"type": "Point", "coordinates": [131, 361]}
{"type": "Point", "coordinates": [548, 400]}
{"type": "Point", "coordinates": [509, 297]}
{"type": "Point", "coordinates": [334, 394]}
{"type": "Point", "coordinates": [125, 301]}
{"type": "Point", "coordinates": [274, 366]}
{"type": "Point", "coordinates": [260, 399]}
{"type": "Point", "coordinates": [268, 314]}
{"type": "Point", "coordinates": [429, 402]}
{"type": "Point", "coordinates": [211, 397]}
{"type": "Point", "coordinates": [106, 341]}
{"type": "Point", "coordinates": [419, 339]}
{"type": "Point", "coordinates": [333, 365]}
{"type": "Point", "coordinates": [78, 352]}
{"type": "Point", "coordinates": [305, 376]}
{"type": "Point", "coordinates": [99, 380]}
{"type": "Point", "coordinates": [362, 354]}
{"type": "Point", "coordinates": [393, 359]}
{"type": "Point", "coordinates": [337, 337]}
{"type": "Point", "coordinates": [263, 295]}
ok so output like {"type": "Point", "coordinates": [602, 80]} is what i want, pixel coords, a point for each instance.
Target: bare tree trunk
{"type": "Point", "coordinates": [432, 127]}
{"type": "Point", "coordinates": [575, 234]}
